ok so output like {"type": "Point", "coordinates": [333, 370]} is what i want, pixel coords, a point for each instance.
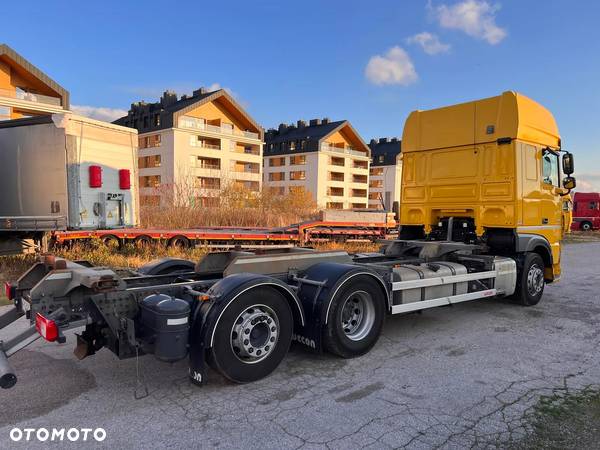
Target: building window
{"type": "Point", "coordinates": [299, 160]}
{"type": "Point", "coordinates": [277, 162]}
{"type": "Point", "coordinates": [335, 205]}
{"type": "Point", "coordinates": [5, 113]}
{"type": "Point", "coordinates": [335, 161]}
{"type": "Point", "coordinates": [277, 176]}
{"type": "Point", "coordinates": [149, 141]}
{"type": "Point", "coordinates": [380, 158]}
{"type": "Point", "coordinates": [276, 190]}
{"type": "Point", "coordinates": [208, 183]}
{"type": "Point", "coordinates": [149, 200]}
{"type": "Point", "coordinates": [157, 120]}
{"type": "Point", "coordinates": [376, 184]}
{"type": "Point", "coordinates": [359, 178]}
{"type": "Point", "coordinates": [145, 121]}
{"type": "Point", "coordinates": [359, 193]}
{"type": "Point", "coordinates": [292, 145]}
{"type": "Point", "coordinates": [376, 171]}
{"type": "Point", "coordinates": [336, 176]}
{"type": "Point", "coordinates": [359, 206]}
{"type": "Point", "coordinates": [147, 162]}
{"type": "Point", "coordinates": [150, 181]}
{"type": "Point", "coordinates": [199, 141]}
{"type": "Point", "coordinates": [298, 175]}
{"type": "Point", "coordinates": [335, 192]}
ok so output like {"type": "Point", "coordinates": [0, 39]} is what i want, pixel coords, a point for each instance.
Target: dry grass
{"type": "Point", "coordinates": [237, 207]}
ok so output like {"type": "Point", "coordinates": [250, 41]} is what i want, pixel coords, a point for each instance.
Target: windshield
{"type": "Point", "coordinates": [550, 168]}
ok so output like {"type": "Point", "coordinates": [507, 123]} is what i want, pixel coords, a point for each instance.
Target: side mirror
{"type": "Point", "coordinates": [569, 183]}
{"type": "Point", "coordinates": [568, 163]}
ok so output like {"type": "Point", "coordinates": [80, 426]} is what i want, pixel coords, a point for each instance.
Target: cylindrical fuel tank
{"type": "Point", "coordinates": [407, 272]}
{"type": "Point", "coordinates": [165, 326]}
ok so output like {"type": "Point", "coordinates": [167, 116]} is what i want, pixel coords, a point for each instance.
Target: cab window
{"type": "Point", "coordinates": [550, 168]}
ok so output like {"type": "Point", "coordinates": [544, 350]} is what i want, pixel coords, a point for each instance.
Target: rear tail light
{"type": "Point", "coordinates": [9, 290]}
{"type": "Point", "coordinates": [46, 327]}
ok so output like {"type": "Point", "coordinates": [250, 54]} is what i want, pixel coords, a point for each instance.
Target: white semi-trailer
{"type": "Point", "coordinates": [64, 172]}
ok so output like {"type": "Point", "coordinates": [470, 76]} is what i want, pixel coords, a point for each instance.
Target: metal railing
{"type": "Point", "coordinates": [346, 150]}
{"type": "Point", "coordinates": [200, 124]}
{"type": "Point", "coordinates": [22, 94]}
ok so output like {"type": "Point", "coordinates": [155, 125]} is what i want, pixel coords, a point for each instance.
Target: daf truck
{"type": "Point", "coordinates": [481, 217]}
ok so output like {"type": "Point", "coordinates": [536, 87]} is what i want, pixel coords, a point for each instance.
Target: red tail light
{"type": "Point", "coordinates": [9, 290]}
{"type": "Point", "coordinates": [46, 327]}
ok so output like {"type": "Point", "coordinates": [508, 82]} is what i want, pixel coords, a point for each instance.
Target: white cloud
{"type": "Point", "coordinates": [429, 42]}
{"type": "Point", "coordinates": [395, 67]}
{"type": "Point", "coordinates": [477, 18]}
{"type": "Point", "coordinates": [588, 182]}
{"type": "Point", "coordinates": [99, 113]}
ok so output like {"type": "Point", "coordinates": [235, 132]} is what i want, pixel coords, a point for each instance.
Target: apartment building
{"type": "Point", "coordinates": [328, 159]}
{"type": "Point", "coordinates": [25, 91]}
{"type": "Point", "coordinates": [191, 147]}
{"type": "Point", "coordinates": [385, 174]}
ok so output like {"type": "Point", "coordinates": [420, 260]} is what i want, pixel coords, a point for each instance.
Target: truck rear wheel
{"type": "Point", "coordinates": [586, 226]}
{"type": "Point", "coordinates": [355, 318]}
{"type": "Point", "coordinates": [252, 335]}
{"type": "Point", "coordinates": [530, 280]}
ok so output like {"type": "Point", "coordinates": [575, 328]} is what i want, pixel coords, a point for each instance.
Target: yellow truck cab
{"type": "Point", "coordinates": [488, 172]}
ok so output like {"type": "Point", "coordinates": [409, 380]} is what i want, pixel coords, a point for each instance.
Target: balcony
{"type": "Point", "coordinates": [336, 176]}
{"type": "Point", "coordinates": [242, 167]}
{"type": "Point", "coordinates": [245, 149]}
{"type": "Point", "coordinates": [335, 192]}
{"type": "Point", "coordinates": [362, 179]}
{"type": "Point", "coordinates": [23, 94]}
{"type": "Point", "coordinates": [359, 193]}
{"type": "Point", "coordinates": [201, 124]}
{"type": "Point", "coordinates": [376, 184]}
{"type": "Point", "coordinates": [340, 162]}
{"type": "Point", "coordinates": [346, 150]}
{"type": "Point", "coordinates": [361, 165]}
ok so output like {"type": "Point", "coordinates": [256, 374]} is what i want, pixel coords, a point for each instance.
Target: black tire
{"type": "Point", "coordinates": [586, 226]}
{"type": "Point", "coordinates": [180, 242]}
{"type": "Point", "coordinates": [240, 368]}
{"type": "Point", "coordinates": [142, 242]}
{"type": "Point", "coordinates": [354, 341]}
{"type": "Point", "coordinates": [111, 241]}
{"type": "Point", "coordinates": [530, 287]}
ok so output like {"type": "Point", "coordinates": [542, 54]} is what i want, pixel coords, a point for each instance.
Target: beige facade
{"type": "Point", "coordinates": [385, 185]}
{"type": "Point", "coordinates": [210, 145]}
{"type": "Point", "coordinates": [385, 174]}
{"type": "Point", "coordinates": [25, 91]}
{"type": "Point", "coordinates": [336, 173]}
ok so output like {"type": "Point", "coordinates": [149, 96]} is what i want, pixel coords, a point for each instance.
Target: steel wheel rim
{"type": "Point", "coordinates": [358, 315]}
{"type": "Point", "coordinates": [254, 334]}
{"type": "Point", "coordinates": [535, 280]}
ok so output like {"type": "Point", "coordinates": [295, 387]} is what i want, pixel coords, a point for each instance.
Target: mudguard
{"type": "Point", "coordinates": [205, 317]}
{"type": "Point", "coordinates": [167, 265]}
{"type": "Point", "coordinates": [317, 288]}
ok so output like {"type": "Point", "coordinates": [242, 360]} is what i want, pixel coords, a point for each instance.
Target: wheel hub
{"type": "Point", "coordinates": [254, 333]}
{"type": "Point", "coordinates": [358, 315]}
{"type": "Point", "coordinates": [535, 280]}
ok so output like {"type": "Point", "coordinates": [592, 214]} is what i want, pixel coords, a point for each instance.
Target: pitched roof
{"type": "Point", "coordinates": [389, 149]}
{"type": "Point", "coordinates": [311, 133]}
{"type": "Point", "coordinates": [5, 50]}
{"type": "Point", "coordinates": [172, 111]}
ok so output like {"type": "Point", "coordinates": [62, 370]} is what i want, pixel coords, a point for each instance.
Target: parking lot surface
{"type": "Point", "coordinates": [451, 377]}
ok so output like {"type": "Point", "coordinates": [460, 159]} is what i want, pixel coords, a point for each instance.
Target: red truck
{"type": "Point", "coordinates": [586, 211]}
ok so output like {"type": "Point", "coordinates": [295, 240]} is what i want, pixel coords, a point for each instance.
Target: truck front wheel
{"type": "Point", "coordinates": [530, 280]}
{"type": "Point", "coordinates": [355, 318]}
{"type": "Point", "coordinates": [252, 335]}
{"type": "Point", "coordinates": [586, 226]}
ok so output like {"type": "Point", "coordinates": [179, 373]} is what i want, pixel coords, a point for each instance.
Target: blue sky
{"type": "Point", "coordinates": [369, 62]}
